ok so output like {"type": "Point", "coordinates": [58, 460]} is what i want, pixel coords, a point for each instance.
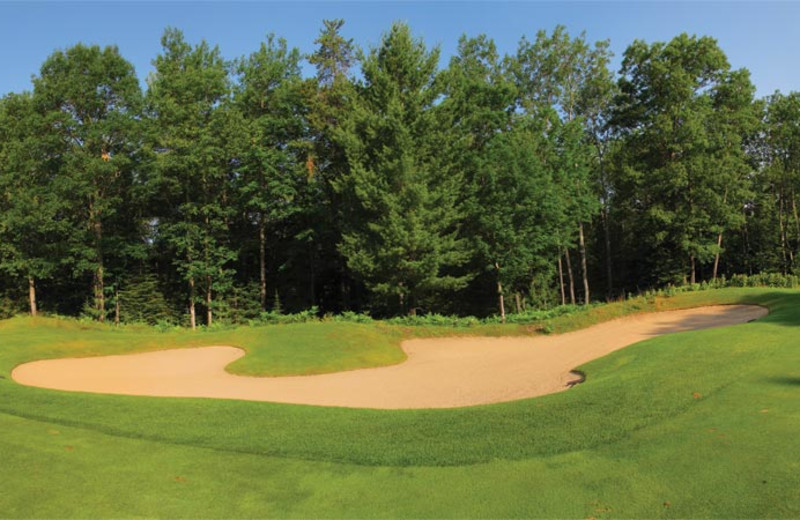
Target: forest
{"type": "Point", "coordinates": [388, 183]}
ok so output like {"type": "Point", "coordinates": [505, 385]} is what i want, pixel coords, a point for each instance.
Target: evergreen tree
{"type": "Point", "coordinates": [402, 237]}
{"type": "Point", "coordinates": [141, 301]}
{"type": "Point", "coordinates": [327, 98]}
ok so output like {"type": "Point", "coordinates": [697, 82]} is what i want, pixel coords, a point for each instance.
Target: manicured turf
{"type": "Point", "coordinates": [690, 425]}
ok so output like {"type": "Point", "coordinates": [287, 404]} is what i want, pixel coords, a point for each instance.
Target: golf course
{"type": "Point", "coordinates": [691, 424]}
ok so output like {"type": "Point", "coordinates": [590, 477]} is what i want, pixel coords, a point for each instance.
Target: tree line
{"type": "Point", "coordinates": [389, 182]}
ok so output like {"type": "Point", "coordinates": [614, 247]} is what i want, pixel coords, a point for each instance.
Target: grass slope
{"type": "Point", "coordinates": [690, 425]}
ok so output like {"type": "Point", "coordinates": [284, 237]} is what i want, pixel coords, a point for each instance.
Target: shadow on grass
{"type": "Point", "coordinates": [784, 381]}
{"type": "Point", "coordinates": [782, 305]}
{"type": "Point", "coordinates": [691, 323]}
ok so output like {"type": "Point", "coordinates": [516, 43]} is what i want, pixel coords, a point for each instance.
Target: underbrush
{"type": "Point", "coordinates": [632, 302]}
{"type": "Point", "coordinates": [540, 318]}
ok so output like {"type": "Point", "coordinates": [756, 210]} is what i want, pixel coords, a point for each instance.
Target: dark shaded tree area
{"type": "Point", "coordinates": [388, 183]}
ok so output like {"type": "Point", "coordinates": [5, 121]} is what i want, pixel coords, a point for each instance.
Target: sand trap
{"type": "Point", "coordinates": [439, 373]}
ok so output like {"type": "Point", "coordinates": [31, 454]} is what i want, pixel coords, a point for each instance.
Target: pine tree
{"type": "Point", "coordinates": [402, 237]}
{"type": "Point", "coordinates": [327, 100]}
{"type": "Point", "coordinates": [142, 301]}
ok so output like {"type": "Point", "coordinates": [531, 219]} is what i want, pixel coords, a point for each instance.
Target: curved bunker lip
{"type": "Point", "coordinates": [439, 372]}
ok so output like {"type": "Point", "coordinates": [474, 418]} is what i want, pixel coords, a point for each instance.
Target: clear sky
{"type": "Point", "coordinates": [761, 36]}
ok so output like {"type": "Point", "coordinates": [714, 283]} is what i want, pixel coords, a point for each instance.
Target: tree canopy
{"type": "Point", "coordinates": [386, 181]}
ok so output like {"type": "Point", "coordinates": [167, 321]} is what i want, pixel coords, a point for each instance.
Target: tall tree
{"type": "Point", "coordinates": [328, 98]}
{"type": "Point", "coordinates": [477, 112]}
{"type": "Point", "coordinates": [595, 104]}
{"type": "Point", "coordinates": [560, 80]}
{"type": "Point", "coordinates": [683, 115]}
{"type": "Point", "coordinates": [334, 54]}
{"type": "Point", "coordinates": [91, 99]}
{"type": "Point", "coordinates": [780, 161]}
{"type": "Point", "coordinates": [269, 97]}
{"type": "Point", "coordinates": [190, 128]}
{"type": "Point", "coordinates": [517, 223]}
{"type": "Point", "coordinates": [403, 237]}
{"type": "Point", "coordinates": [32, 212]}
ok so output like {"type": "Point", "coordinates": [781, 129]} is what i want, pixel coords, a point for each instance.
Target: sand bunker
{"type": "Point", "coordinates": [439, 373]}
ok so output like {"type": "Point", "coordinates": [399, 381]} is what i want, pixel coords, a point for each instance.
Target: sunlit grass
{"type": "Point", "coordinates": [695, 424]}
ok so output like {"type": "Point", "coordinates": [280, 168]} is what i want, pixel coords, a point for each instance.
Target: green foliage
{"type": "Point", "coordinates": [32, 227]}
{"type": "Point", "coordinates": [271, 151]}
{"type": "Point", "coordinates": [239, 305]}
{"type": "Point", "coordinates": [276, 317]}
{"type": "Point", "coordinates": [142, 301]}
{"type": "Point", "coordinates": [90, 100]}
{"type": "Point", "coordinates": [402, 238]}
{"type": "Point", "coordinates": [194, 135]}
{"type": "Point", "coordinates": [352, 317]}
{"type": "Point", "coordinates": [764, 280]}
{"type": "Point", "coordinates": [684, 116]}
{"type": "Point", "coordinates": [8, 307]}
{"type": "Point", "coordinates": [412, 189]}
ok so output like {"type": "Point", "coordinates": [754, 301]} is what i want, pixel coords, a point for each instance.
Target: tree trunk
{"type": "Point", "coordinates": [100, 292]}
{"type": "Point", "coordinates": [605, 217]}
{"type": "Point", "coordinates": [518, 302]}
{"type": "Point", "coordinates": [746, 244]}
{"type": "Point", "coordinates": [569, 276]}
{"type": "Point", "coordinates": [500, 294]}
{"type": "Point", "coordinates": [796, 216]}
{"type": "Point", "coordinates": [501, 302]}
{"type": "Point", "coordinates": [192, 312]}
{"type": "Point", "coordinates": [209, 317]}
{"type": "Point", "coordinates": [716, 257]}
{"type": "Point", "coordinates": [402, 298]}
{"type": "Point", "coordinates": [313, 277]}
{"type": "Point", "coordinates": [586, 297]}
{"type": "Point", "coordinates": [783, 234]}
{"type": "Point", "coordinates": [719, 243]}
{"type": "Point", "coordinates": [32, 295]}
{"type": "Point", "coordinates": [262, 261]}
{"type": "Point", "coordinates": [116, 305]}
{"type": "Point", "coordinates": [561, 281]}
{"type": "Point", "coordinates": [609, 265]}
{"type": "Point", "coordinates": [345, 293]}
{"type": "Point", "coordinates": [99, 285]}
{"type": "Point", "coordinates": [693, 273]}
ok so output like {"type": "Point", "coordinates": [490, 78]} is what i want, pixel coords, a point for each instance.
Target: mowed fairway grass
{"type": "Point", "coordinates": [699, 424]}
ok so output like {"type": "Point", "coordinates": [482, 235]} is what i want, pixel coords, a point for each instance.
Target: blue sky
{"type": "Point", "coordinates": [761, 36]}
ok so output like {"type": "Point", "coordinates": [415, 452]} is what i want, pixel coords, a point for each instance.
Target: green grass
{"type": "Point", "coordinates": [699, 424]}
